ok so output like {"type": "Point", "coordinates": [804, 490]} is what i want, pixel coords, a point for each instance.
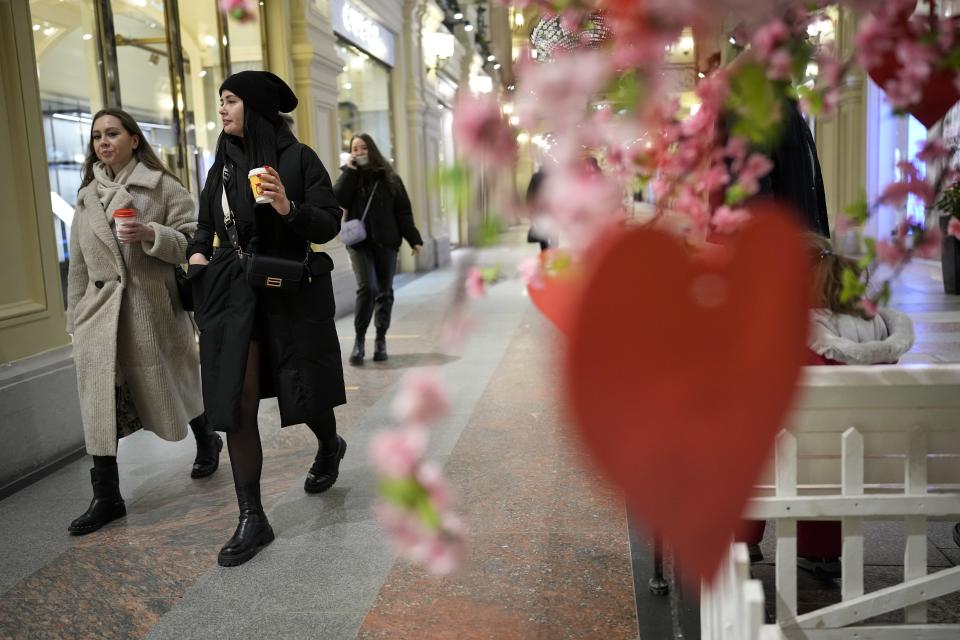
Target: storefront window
{"type": "Point", "coordinates": [364, 100]}
{"type": "Point", "coordinates": [246, 44]}
{"type": "Point", "coordinates": [203, 72]}
{"type": "Point", "coordinates": [65, 45]}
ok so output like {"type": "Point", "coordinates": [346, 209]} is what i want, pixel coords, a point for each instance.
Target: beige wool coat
{"type": "Point", "coordinates": [123, 310]}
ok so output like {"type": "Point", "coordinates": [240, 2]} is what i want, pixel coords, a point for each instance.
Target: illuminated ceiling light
{"type": "Point", "coordinates": [701, 74]}
{"type": "Point", "coordinates": [211, 126]}
{"type": "Point", "coordinates": [347, 86]}
{"type": "Point", "coordinates": [210, 41]}
{"type": "Point", "coordinates": [49, 31]}
{"type": "Point", "coordinates": [812, 70]}
{"type": "Point", "coordinates": [497, 66]}
{"type": "Point", "coordinates": [468, 27]}
{"type": "Point", "coordinates": [733, 40]}
{"type": "Point", "coordinates": [518, 18]}
{"type": "Point", "coordinates": [514, 120]}
{"type": "Point", "coordinates": [491, 58]}
{"type": "Point", "coordinates": [36, 27]}
{"type": "Point", "coordinates": [87, 36]}
{"type": "Point", "coordinates": [358, 63]}
{"type": "Point", "coordinates": [523, 137]}
{"type": "Point", "coordinates": [79, 158]}
{"type": "Point", "coordinates": [203, 73]}
{"type": "Point", "coordinates": [686, 44]}
{"type": "Point", "coordinates": [508, 109]}
{"type": "Point", "coordinates": [458, 16]}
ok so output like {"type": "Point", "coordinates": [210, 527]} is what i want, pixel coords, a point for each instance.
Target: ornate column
{"type": "Point", "coordinates": [842, 140]}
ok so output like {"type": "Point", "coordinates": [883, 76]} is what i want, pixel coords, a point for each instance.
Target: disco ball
{"type": "Point", "coordinates": [549, 37]}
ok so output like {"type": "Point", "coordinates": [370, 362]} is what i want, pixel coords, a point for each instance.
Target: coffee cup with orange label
{"type": "Point", "coordinates": [256, 185]}
{"type": "Point", "coordinates": [121, 217]}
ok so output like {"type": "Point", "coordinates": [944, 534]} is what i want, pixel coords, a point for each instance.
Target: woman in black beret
{"type": "Point", "coordinates": [264, 301]}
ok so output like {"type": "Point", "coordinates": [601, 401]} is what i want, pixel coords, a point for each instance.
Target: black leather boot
{"type": "Point", "coordinates": [380, 347]}
{"type": "Point", "coordinates": [107, 504]}
{"type": "Point", "coordinates": [253, 532]}
{"type": "Point", "coordinates": [209, 444]}
{"type": "Point", "coordinates": [323, 474]}
{"type": "Point", "coordinates": [358, 353]}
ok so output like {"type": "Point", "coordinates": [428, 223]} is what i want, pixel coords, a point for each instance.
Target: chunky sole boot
{"type": "Point", "coordinates": [209, 445]}
{"type": "Point", "coordinates": [358, 353]}
{"type": "Point", "coordinates": [107, 504]}
{"type": "Point", "coordinates": [252, 534]}
{"type": "Point", "coordinates": [325, 470]}
{"type": "Point", "coordinates": [380, 349]}
{"type": "Point", "coordinates": [253, 531]}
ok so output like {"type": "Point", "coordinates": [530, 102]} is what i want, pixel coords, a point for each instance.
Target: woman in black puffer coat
{"type": "Point", "coordinates": [368, 183]}
{"type": "Point", "coordinates": [265, 342]}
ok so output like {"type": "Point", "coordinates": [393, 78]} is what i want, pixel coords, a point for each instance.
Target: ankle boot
{"type": "Point", "coordinates": [253, 531]}
{"type": "Point", "coordinates": [358, 353]}
{"type": "Point", "coordinates": [107, 504]}
{"type": "Point", "coordinates": [323, 474]}
{"type": "Point", "coordinates": [380, 347]}
{"type": "Point", "coordinates": [209, 444]}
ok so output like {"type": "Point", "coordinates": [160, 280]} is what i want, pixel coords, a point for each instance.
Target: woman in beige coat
{"type": "Point", "coordinates": [133, 344]}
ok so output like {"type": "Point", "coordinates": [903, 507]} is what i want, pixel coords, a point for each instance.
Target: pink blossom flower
{"type": "Point", "coordinates": [929, 246]}
{"type": "Point", "coordinates": [727, 220]}
{"type": "Point", "coordinates": [869, 306]}
{"type": "Point", "coordinates": [531, 272]}
{"type": "Point", "coordinates": [781, 65]}
{"type": "Point", "coordinates": [480, 130]}
{"type": "Point", "coordinates": [953, 228]}
{"type": "Point", "coordinates": [756, 167]}
{"type": "Point", "coordinates": [474, 283]}
{"type": "Point", "coordinates": [441, 550]}
{"type": "Point", "coordinates": [240, 10]}
{"type": "Point", "coordinates": [769, 37]}
{"type": "Point", "coordinates": [423, 398]}
{"type": "Point", "coordinates": [845, 224]}
{"type": "Point", "coordinates": [396, 453]}
{"type": "Point", "coordinates": [890, 253]}
{"type": "Point", "coordinates": [431, 478]}
{"type": "Point", "coordinates": [933, 150]}
{"type": "Point", "coordinates": [560, 91]}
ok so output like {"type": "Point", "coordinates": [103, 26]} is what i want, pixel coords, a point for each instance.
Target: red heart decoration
{"type": "Point", "coordinates": [939, 93]}
{"type": "Point", "coordinates": [680, 370]}
{"type": "Point", "coordinates": [556, 294]}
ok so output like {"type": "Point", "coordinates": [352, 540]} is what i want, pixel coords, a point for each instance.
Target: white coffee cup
{"type": "Point", "coordinates": [256, 185]}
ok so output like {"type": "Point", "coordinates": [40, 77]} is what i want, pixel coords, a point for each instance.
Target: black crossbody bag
{"type": "Point", "coordinates": [260, 271]}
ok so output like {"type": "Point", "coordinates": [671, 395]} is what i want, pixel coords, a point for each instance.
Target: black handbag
{"type": "Point", "coordinates": [184, 289]}
{"type": "Point", "coordinates": [261, 271]}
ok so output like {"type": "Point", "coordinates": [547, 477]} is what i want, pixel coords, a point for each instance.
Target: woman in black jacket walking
{"type": "Point", "coordinates": [260, 337]}
{"type": "Point", "coordinates": [369, 189]}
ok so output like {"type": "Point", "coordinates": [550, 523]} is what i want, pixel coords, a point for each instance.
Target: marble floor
{"type": "Point", "coordinates": [550, 553]}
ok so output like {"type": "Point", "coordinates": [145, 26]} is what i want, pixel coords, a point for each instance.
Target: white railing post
{"type": "Point", "coordinates": [851, 473]}
{"type": "Point", "coordinates": [915, 554]}
{"type": "Point", "coordinates": [786, 571]}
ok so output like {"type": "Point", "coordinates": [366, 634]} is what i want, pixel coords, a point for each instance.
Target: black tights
{"type": "Point", "coordinates": [246, 452]}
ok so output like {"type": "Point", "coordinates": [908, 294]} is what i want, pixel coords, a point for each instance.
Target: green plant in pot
{"type": "Point", "coordinates": [949, 207]}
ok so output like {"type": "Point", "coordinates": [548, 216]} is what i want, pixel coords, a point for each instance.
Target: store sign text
{"type": "Point", "coordinates": [356, 26]}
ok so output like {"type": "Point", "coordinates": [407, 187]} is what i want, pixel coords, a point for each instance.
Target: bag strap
{"type": "Point", "coordinates": [369, 200]}
{"type": "Point", "coordinates": [228, 220]}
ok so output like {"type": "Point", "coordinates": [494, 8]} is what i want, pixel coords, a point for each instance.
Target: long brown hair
{"type": "Point", "coordinates": [377, 161]}
{"type": "Point", "coordinates": [144, 153]}
{"type": "Point", "coordinates": [828, 268]}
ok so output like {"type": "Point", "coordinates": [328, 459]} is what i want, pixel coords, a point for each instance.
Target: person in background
{"type": "Point", "coordinates": [842, 332]}
{"type": "Point", "coordinates": [369, 185]}
{"type": "Point", "coordinates": [534, 235]}
{"type": "Point", "coordinates": [261, 342]}
{"type": "Point", "coordinates": [133, 344]}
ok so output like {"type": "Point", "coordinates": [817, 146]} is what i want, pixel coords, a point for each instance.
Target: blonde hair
{"type": "Point", "coordinates": [828, 268]}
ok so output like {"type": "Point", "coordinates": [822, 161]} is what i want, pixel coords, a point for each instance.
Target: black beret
{"type": "Point", "coordinates": [263, 92]}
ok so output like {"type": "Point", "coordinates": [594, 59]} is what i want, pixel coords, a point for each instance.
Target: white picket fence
{"type": "Point", "coordinates": [862, 443]}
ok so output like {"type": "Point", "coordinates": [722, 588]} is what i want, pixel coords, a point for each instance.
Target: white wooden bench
{"type": "Point", "coordinates": [879, 442]}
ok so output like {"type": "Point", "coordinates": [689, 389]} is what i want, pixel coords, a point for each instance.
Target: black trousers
{"type": "Point", "coordinates": [374, 267]}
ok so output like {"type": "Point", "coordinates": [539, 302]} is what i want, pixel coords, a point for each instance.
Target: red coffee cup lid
{"type": "Point", "coordinates": [124, 213]}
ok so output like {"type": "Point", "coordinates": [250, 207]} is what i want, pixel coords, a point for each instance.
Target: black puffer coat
{"type": "Point", "coordinates": [390, 218]}
{"type": "Point", "coordinates": [300, 350]}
